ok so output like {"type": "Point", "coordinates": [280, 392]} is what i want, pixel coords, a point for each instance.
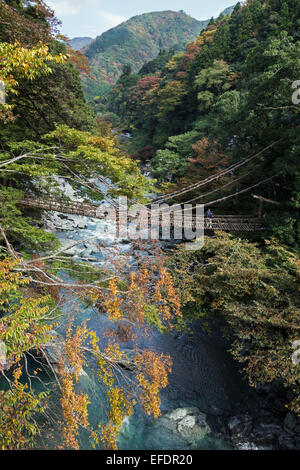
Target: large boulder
{"type": "Point", "coordinates": [4, 362]}
{"type": "Point", "coordinates": [186, 426]}
{"type": "Point", "coordinates": [180, 413]}
{"type": "Point", "coordinates": [248, 432]}
{"type": "Point", "coordinates": [245, 445]}
{"type": "Point", "coordinates": [189, 423]}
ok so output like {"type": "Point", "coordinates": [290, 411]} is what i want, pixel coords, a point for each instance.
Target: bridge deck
{"type": "Point", "coordinates": [220, 222]}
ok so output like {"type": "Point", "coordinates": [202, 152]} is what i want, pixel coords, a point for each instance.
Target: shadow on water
{"type": "Point", "coordinates": [204, 375]}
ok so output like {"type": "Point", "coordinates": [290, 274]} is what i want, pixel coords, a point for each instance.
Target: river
{"type": "Point", "coordinates": [203, 376]}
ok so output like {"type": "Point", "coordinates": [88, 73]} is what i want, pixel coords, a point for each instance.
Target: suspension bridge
{"type": "Point", "coordinates": [162, 218]}
{"type": "Point", "coordinates": [188, 218]}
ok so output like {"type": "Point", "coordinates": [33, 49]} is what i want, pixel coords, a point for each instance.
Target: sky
{"type": "Point", "coordinates": [93, 17]}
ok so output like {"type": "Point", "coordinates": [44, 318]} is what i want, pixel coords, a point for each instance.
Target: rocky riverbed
{"type": "Point", "coordinates": [264, 422]}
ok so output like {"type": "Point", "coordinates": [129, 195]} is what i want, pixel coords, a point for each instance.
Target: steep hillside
{"type": "Point", "coordinates": [193, 112]}
{"type": "Point", "coordinates": [79, 43]}
{"type": "Point", "coordinates": [135, 42]}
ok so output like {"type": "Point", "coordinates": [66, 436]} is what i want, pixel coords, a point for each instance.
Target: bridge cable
{"type": "Point", "coordinates": [215, 176]}
{"type": "Point", "coordinates": [210, 192]}
{"type": "Point", "coordinates": [235, 194]}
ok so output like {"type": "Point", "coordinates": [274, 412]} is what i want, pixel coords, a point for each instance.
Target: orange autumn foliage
{"type": "Point", "coordinates": [74, 405]}
{"type": "Point", "coordinates": [152, 377]}
{"type": "Point", "coordinates": [120, 407]}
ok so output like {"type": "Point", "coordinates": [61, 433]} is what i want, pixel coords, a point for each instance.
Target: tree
{"type": "Point", "coordinates": [30, 30]}
{"type": "Point", "coordinates": [146, 297]}
{"type": "Point", "coordinates": [18, 62]}
{"type": "Point", "coordinates": [212, 82]}
{"type": "Point", "coordinates": [27, 23]}
{"type": "Point", "coordinates": [172, 161]}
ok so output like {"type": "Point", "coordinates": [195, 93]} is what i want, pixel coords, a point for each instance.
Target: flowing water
{"type": "Point", "coordinates": [204, 375]}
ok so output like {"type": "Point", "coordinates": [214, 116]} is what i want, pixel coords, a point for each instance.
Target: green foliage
{"type": "Point", "coordinates": [91, 154]}
{"type": "Point", "coordinates": [58, 98]}
{"type": "Point", "coordinates": [19, 228]}
{"type": "Point", "coordinates": [255, 290]}
{"type": "Point", "coordinates": [153, 319]}
{"type": "Point", "coordinates": [172, 161]}
{"type": "Point", "coordinates": [24, 326]}
{"type": "Point", "coordinates": [19, 409]}
{"type": "Point", "coordinates": [212, 82]}
{"type": "Point", "coordinates": [157, 64]}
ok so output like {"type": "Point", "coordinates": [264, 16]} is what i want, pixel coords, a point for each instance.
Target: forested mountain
{"type": "Point", "coordinates": [79, 43]}
{"type": "Point", "coordinates": [135, 42]}
{"type": "Point", "coordinates": [228, 95]}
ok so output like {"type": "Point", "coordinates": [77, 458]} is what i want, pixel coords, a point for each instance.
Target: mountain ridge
{"type": "Point", "coordinates": [135, 42]}
{"type": "Point", "coordinates": [78, 43]}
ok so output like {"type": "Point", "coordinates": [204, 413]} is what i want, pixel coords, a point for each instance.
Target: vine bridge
{"type": "Point", "coordinates": [218, 222]}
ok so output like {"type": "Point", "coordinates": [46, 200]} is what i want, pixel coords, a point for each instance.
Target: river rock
{"type": "Point", "coordinates": [240, 423]}
{"type": "Point", "coordinates": [186, 424]}
{"type": "Point", "coordinates": [291, 424]}
{"type": "Point", "coordinates": [81, 224]}
{"type": "Point", "coordinates": [263, 431]}
{"type": "Point", "coordinates": [87, 252]}
{"type": "Point", "coordinates": [4, 362]}
{"type": "Point", "coordinates": [2, 356]}
{"type": "Point", "coordinates": [66, 226]}
{"type": "Point", "coordinates": [180, 413]}
{"type": "Point", "coordinates": [189, 423]}
{"type": "Point", "coordinates": [246, 446]}
{"type": "Point", "coordinates": [167, 424]}
{"type": "Point", "coordinates": [266, 433]}
{"type": "Point", "coordinates": [288, 442]}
